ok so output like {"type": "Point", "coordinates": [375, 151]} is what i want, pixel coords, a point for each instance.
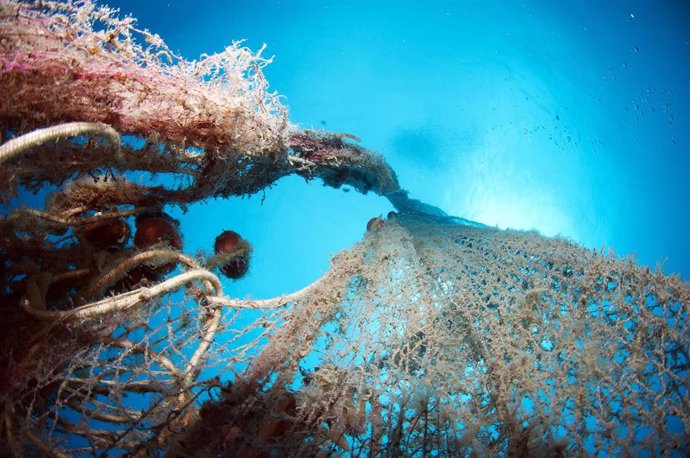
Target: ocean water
{"type": "Point", "coordinates": [571, 118]}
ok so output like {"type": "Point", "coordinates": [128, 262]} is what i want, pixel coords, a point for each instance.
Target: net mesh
{"type": "Point", "coordinates": [432, 336]}
{"type": "Point", "coordinates": [454, 339]}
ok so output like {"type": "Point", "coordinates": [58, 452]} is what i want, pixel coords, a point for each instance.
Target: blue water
{"type": "Point", "coordinates": [571, 118]}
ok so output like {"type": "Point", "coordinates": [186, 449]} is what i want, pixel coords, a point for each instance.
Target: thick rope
{"type": "Point", "coordinates": [18, 145]}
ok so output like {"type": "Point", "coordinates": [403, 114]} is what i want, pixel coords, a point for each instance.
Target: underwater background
{"type": "Point", "coordinates": [569, 118]}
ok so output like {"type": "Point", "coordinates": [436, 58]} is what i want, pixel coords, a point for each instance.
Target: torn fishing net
{"type": "Point", "coordinates": [430, 335]}
{"type": "Point", "coordinates": [434, 335]}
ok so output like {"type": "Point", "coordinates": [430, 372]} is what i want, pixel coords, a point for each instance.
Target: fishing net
{"type": "Point", "coordinates": [432, 336]}
{"type": "Point", "coordinates": [443, 338]}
